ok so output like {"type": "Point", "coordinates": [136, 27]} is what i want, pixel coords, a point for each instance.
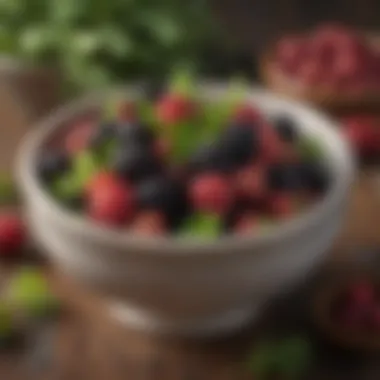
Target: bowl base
{"type": "Point", "coordinates": [213, 326]}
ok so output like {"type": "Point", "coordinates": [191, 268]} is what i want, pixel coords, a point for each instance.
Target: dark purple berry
{"type": "Point", "coordinates": [103, 135]}
{"type": "Point", "coordinates": [134, 163]}
{"type": "Point", "coordinates": [52, 164]}
{"type": "Point", "coordinates": [240, 144]}
{"type": "Point", "coordinates": [135, 133]}
{"type": "Point", "coordinates": [315, 176]}
{"type": "Point", "coordinates": [286, 128]}
{"type": "Point", "coordinates": [164, 195]}
{"type": "Point", "coordinates": [287, 177]}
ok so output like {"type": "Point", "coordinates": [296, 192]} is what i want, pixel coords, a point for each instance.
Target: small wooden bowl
{"type": "Point", "coordinates": [337, 103]}
{"type": "Point", "coordinates": [343, 337]}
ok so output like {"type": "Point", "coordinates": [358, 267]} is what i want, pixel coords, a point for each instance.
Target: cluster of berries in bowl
{"type": "Point", "coordinates": [332, 58]}
{"type": "Point", "coordinates": [178, 165]}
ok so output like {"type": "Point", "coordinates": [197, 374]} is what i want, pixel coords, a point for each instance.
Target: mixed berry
{"type": "Point", "coordinates": [175, 164]}
{"type": "Point", "coordinates": [332, 57]}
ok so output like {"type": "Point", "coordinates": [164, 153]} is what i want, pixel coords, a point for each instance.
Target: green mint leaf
{"type": "Point", "coordinates": [185, 137]}
{"type": "Point", "coordinates": [310, 149]}
{"type": "Point", "coordinates": [203, 226]}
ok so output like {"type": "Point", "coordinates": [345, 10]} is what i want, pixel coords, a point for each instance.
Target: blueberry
{"type": "Point", "coordinates": [285, 177]}
{"type": "Point", "coordinates": [102, 135]}
{"type": "Point", "coordinates": [52, 164]}
{"type": "Point", "coordinates": [286, 128]}
{"type": "Point", "coordinates": [315, 176]}
{"type": "Point", "coordinates": [164, 195]}
{"type": "Point", "coordinates": [134, 162]}
{"type": "Point", "coordinates": [135, 133]}
{"type": "Point", "coordinates": [240, 144]}
{"type": "Point", "coordinates": [210, 157]}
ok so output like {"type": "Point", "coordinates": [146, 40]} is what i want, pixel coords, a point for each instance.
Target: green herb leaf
{"type": "Point", "coordinates": [182, 82]}
{"type": "Point", "coordinates": [203, 226]}
{"type": "Point", "coordinates": [309, 149]}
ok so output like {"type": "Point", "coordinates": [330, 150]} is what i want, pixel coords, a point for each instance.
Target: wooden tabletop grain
{"type": "Point", "coordinates": [86, 344]}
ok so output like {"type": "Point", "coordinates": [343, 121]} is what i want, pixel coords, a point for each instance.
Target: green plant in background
{"type": "Point", "coordinates": [96, 42]}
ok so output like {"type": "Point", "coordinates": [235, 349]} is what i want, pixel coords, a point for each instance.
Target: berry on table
{"type": "Point", "coordinates": [52, 164]}
{"type": "Point", "coordinates": [12, 235]}
{"type": "Point", "coordinates": [246, 224]}
{"type": "Point", "coordinates": [110, 200]}
{"type": "Point", "coordinates": [174, 108]}
{"type": "Point", "coordinates": [211, 193]}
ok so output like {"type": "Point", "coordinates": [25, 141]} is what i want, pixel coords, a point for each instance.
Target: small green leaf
{"type": "Point", "coordinates": [85, 166]}
{"type": "Point", "coordinates": [310, 149]}
{"type": "Point", "coordinates": [203, 226]}
{"type": "Point", "coordinates": [147, 115]}
{"type": "Point", "coordinates": [185, 138]}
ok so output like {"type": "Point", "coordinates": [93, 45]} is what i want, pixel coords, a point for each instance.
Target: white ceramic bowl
{"type": "Point", "coordinates": [185, 287]}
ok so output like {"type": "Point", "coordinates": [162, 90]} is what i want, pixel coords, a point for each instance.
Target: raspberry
{"type": "Point", "coordinates": [78, 138]}
{"type": "Point", "coordinates": [250, 183]}
{"type": "Point", "coordinates": [281, 205]}
{"type": "Point", "coordinates": [109, 200]}
{"type": "Point", "coordinates": [290, 52]}
{"type": "Point", "coordinates": [12, 234]}
{"type": "Point", "coordinates": [246, 224]}
{"type": "Point", "coordinates": [149, 223]}
{"type": "Point", "coordinates": [173, 109]}
{"type": "Point", "coordinates": [211, 193]}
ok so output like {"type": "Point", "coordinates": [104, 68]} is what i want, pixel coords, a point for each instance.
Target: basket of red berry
{"type": "Point", "coordinates": [334, 67]}
{"type": "Point", "coordinates": [193, 205]}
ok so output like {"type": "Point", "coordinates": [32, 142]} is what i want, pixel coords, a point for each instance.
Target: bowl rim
{"type": "Point", "coordinates": [31, 188]}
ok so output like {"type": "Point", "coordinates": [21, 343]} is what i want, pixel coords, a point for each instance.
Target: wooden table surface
{"type": "Point", "coordinates": [85, 344]}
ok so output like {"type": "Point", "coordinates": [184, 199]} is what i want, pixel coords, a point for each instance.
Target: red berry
{"type": "Point", "coordinates": [211, 193]}
{"type": "Point", "coordinates": [12, 234]}
{"type": "Point", "coordinates": [272, 146]}
{"type": "Point", "coordinates": [126, 112]}
{"type": "Point", "coordinates": [109, 200]}
{"type": "Point", "coordinates": [174, 108]}
{"type": "Point", "coordinates": [310, 73]}
{"type": "Point", "coordinates": [78, 137]}
{"type": "Point", "coordinates": [246, 224]}
{"type": "Point", "coordinates": [149, 223]}
{"type": "Point", "coordinates": [246, 114]}
{"type": "Point", "coordinates": [281, 205]}
{"type": "Point", "coordinates": [250, 182]}
{"type": "Point", "coordinates": [361, 293]}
